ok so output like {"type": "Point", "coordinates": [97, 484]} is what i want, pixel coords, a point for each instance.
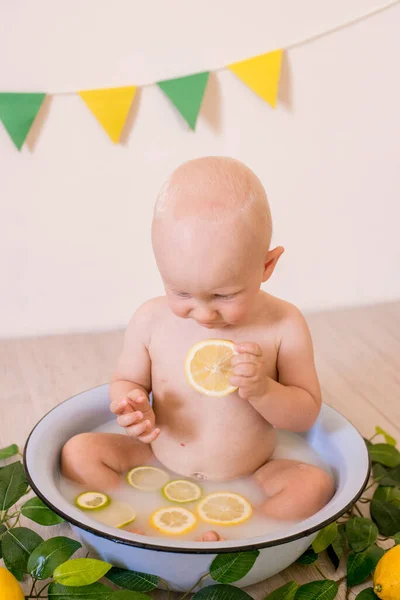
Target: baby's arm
{"type": "Point", "coordinates": [294, 401]}
{"type": "Point", "coordinates": [131, 383]}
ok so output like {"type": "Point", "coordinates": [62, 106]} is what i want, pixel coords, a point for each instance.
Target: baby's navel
{"type": "Point", "coordinates": [199, 476]}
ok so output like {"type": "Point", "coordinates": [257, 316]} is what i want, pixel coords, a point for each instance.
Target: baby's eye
{"type": "Point", "coordinates": [182, 294]}
{"type": "Point", "coordinates": [225, 296]}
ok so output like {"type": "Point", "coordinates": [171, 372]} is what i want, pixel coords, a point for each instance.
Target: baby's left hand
{"type": "Point", "coordinates": [249, 370]}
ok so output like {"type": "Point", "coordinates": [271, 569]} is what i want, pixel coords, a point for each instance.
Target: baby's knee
{"type": "Point", "coordinates": [320, 483]}
{"type": "Point", "coordinates": [76, 450]}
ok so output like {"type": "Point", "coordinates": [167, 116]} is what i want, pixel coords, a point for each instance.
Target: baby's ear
{"type": "Point", "coordinates": [271, 261]}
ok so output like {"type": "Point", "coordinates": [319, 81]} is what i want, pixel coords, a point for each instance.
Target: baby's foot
{"type": "Point", "coordinates": [210, 536]}
{"type": "Point", "coordinates": [133, 529]}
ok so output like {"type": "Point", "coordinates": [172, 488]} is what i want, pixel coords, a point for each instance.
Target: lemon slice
{"type": "Point", "coordinates": [117, 514]}
{"type": "Point", "coordinates": [147, 478]}
{"type": "Point", "coordinates": [181, 490]}
{"type": "Point", "coordinates": [173, 520]}
{"type": "Point", "coordinates": [224, 508]}
{"type": "Point", "coordinates": [92, 500]}
{"type": "Point", "coordinates": [208, 367]}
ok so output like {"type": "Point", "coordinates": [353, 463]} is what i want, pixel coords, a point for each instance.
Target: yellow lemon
{"type": "Point", "coordinates": [116, 514]}
{"type": "Point", "coordinates": [387, 575]}
{"type": "Point", "coordinates": [208, 367]}
{"type": "Point", "coordinates": [9, 586]}
{"type": "Point", "coordinates": [147, 478]}
{"type": "Point", "coordinates": [92, 500]}
{"type": "Point", "coordinates": [173, 520]}
{"type": "Point", "coordinates": [182, 490]}
{"type": "Point", "coordinates": [224, 508]}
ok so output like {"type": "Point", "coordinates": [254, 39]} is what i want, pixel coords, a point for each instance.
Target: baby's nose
{"type": "Point", "coordinates": [205, 315]}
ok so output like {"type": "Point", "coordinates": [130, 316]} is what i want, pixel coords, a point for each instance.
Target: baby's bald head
{"type": "Point", "coordinates": [219, 192]}
{"type": "Point", "coordinates": [213, 189]}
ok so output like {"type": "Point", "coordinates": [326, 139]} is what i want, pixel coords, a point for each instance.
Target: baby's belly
{"type": "Point", "coordinates": [216, 447]}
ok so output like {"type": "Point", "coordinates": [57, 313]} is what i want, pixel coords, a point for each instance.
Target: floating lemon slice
{"type": "Point", "coordinates": [208, 367]}
{"type": "Point", "coordinates": [181, 490]}
{"type": "Point", "coordinates": [173, 520]}
{"type": "Point", "coordinates": [117, 514]}
{"type": "Point", "coordinates": [224, 508]}
{"type": "Point", "coordinates": [147, 478]}
{"type": "Point", "coordinates": [92, 500]}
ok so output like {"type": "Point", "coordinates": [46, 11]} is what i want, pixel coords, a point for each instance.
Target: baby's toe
{"type": "Point", "coordinates": [211, 536]}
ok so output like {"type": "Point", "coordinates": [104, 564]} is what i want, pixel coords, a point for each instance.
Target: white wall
{"type": "Point", "coordinates": [75, 249]}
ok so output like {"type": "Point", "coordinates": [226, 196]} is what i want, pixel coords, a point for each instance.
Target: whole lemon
{"type": "Point", "coordinates": [387, 575]}
{"type": "Point", "coordinates": [9, 586]}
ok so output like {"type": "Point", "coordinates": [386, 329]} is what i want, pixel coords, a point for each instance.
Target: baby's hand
{"type": "Point", "coordinates": [136, 416]}
{"type": "Point", "coordinates": [249, 370]}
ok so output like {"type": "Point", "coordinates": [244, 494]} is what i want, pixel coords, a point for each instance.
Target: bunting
{"type": "Point", "coordinates": [186, 93]}
{"type": "Point", "coordinates": [110, 106]}
{"type": "Point", "coordinates": [17, 112]}
{"type": "Point", "coordinates": [261, 74]}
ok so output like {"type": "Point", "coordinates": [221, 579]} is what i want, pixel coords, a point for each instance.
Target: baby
{"type": "Point", "coordinates": [211, 237]}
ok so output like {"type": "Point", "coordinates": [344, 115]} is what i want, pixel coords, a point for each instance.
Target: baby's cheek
{"type": "Point", "coordinates": [236, 314]}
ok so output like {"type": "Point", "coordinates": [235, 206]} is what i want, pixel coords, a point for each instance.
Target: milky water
{"type": "Point", "coordinates": [290, 445]}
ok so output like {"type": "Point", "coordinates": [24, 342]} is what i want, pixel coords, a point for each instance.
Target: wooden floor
{"type": "Point", "coordinates": [358, 361]}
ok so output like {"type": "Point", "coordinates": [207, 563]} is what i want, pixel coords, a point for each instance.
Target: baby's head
{"type": "Point", "coordinates": [211, 238]}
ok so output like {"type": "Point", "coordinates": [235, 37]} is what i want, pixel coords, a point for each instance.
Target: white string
{"type": "Point", "coordinates": [296, 44]}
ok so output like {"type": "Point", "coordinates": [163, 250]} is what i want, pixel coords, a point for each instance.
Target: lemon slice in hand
{"type": "Point", "coordinates": [173, 520]}
{"type": "Point", "coordinates": [224, 508]}
{"type": "Point", "coordinates": [182, 490]}
{"type": "Point", "coordinates": [147, 478]}
{"type": "Point", "coordinates": [208, 367]}
{"type": "Point", "coordinates": [92, 500]}
{"type": "Point", "coordinates": [117, 514]}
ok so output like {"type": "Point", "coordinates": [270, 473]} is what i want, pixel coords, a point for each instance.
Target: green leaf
{"type": "Point", "coordinates": [35, 510]}
{"type": "Point", "coordinates": [95, 591]}
{"type": "Point", "coordinates": [3, 529]}
{"type": "Point", "coordinates": [361, 564]}
{"type": "Point", "coordinates": [385, 454]}
{"type": "Point", "coordinates": [133, 580]}
{"type": "Point", "coordinates": [9, 451]}
{"type": "Point", "coordinates": [367, 594]}
{"type": "Point", "coordinates": [81, 571]}
{"type": "Point", "coordinates": [389, 439]}
{"type": "Point", "coordinates": [361, 533]}
{"type": "Point", "coordinates": [333, 557]}
{"type": "Point", "coordinates": [18, 543]}
{"type": "Point", "coordinates": [325, 538]}
{"type": "Point", "coordinates": [368, 443]}
{"type": "Point", "coordinates": [339, 543]}
{"type": "Point", "coordinates": [221, 591]}
{"type": "Point", "coordinates": [227, 568]}
{"type": "Point", "coordinates": [49, 555]}
{"type": "Point", "coordinates": [13, 484]}
{"type": "Point", "coordinates": [386, 516]}
{"type": "Point", "coordinates": [18, 574]}
{"type": "Point", "coordinates": [307, 558]}
{"type": "Point", "coordinates": [386, 476]}
{"type": "Point", "coordinates": [387, 494]}
{"type": "Point", "coordinates": [127, 595]}
{"type": "Point", "coordinates": [396, 538]}
{"type": "Point", "coordinates": [285, 592]}
{"type": "Point", "coordinates": [317, 590]}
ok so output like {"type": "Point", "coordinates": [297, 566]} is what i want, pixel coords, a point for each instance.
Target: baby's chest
{"type": "Point", "coordinates": [170, 346]}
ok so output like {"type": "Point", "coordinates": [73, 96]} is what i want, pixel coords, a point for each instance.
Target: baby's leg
{"type": "Point", "coordinates": [96, 460]}
{"type": "Point", "coordinates": [295, 490]}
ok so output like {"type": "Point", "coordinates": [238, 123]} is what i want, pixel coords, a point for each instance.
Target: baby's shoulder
{"type": "Point", "coordinates": [148, 312]}
{"type": "Point", "coordinates": [284, 315]}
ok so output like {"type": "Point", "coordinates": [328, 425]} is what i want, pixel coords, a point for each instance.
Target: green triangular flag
{"type": "Point", "coordinates": [186, 93]}
{"type": "Point", "coordinates": [18, 111]}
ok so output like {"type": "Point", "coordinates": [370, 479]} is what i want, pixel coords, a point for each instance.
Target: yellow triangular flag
{"type": "Point", "coordinates": [261, 74]}
{"type": "Point", "coordinates": [110, 106]}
